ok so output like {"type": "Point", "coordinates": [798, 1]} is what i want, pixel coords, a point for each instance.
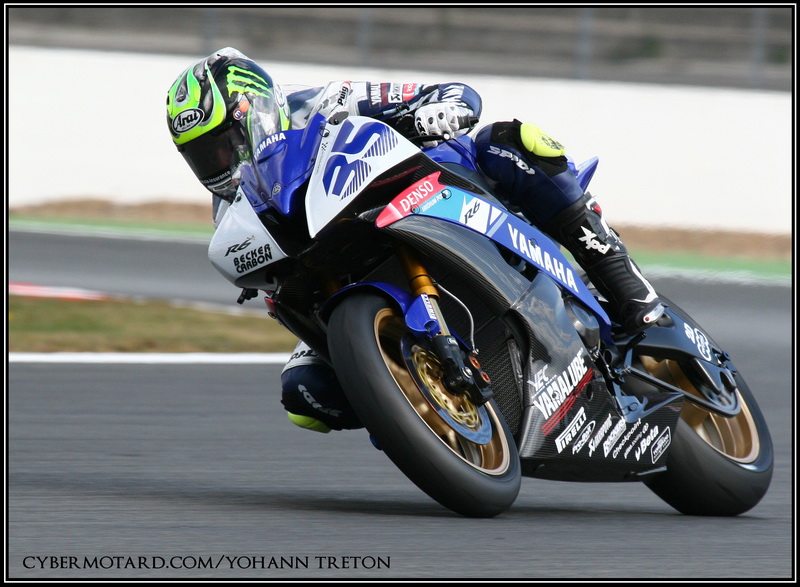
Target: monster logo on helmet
{"type": "Point", "coordinates": [243, 80]}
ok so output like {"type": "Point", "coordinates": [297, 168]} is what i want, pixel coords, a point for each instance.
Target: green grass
{"type": "Point", "coordinates": [204, 230]}
{"type": "Point", "coordinates": [691, 264]}
{"type": "Point", "coordinates": [747, 269]}
{"type": "Point", "coordinates": [54, 325]}
{"type": "Point", "coordinates": [124, 325]}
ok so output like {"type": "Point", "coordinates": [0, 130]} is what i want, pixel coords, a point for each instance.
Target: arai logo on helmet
{"type": "Point", "coordinates": [187, 119]}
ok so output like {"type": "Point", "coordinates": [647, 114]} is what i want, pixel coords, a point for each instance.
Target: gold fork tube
{"type": "Point", "coordinates": [420, 282]}
{"type": "Point", "coordinates": [418, 278]}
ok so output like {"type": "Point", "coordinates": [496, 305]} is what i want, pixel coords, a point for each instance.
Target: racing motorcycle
{"type": "Point", "coordinates": [472, 349]}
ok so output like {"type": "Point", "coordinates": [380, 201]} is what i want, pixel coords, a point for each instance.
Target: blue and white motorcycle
{"type": "Point", "coordinates": [470, 347]}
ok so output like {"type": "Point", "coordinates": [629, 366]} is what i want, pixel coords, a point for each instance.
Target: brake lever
{"type": "Point", "coordinates": [430, 138]}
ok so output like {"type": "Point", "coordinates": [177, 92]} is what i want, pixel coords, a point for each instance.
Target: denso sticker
{"type": "Point", "coordinates": [409, 201]}
{"type": "Point", "coordinates": [418, 194]}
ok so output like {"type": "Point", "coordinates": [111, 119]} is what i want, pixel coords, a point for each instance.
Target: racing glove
{"type": "Point", "coordinates": [441, 119]}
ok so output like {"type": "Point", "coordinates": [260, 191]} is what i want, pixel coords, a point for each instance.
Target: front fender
{"type": "Point", "coordinates": [417, 312]}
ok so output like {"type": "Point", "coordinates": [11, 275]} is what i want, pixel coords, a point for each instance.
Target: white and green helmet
{"type": "Point", "coordinates": [218, 110]}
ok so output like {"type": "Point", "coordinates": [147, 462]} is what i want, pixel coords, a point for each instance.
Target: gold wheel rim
{"type": "Point", "coordinates": [736, 437]}
{"type": "Point", "coordinates": [491, 458]}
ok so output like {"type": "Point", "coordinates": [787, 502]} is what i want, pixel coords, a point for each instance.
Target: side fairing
{"type": "Point", "coordinates": [242, 248]}
{"type": "Point", "coordinates": [430, 197]}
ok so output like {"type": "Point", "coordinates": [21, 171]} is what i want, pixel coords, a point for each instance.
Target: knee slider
{"type": "Point", "coordinates": [313, 390]}
{"type": "Point", "coordinates": [535, 146]}
{"type": "Point", "coordinates": [536, 141]}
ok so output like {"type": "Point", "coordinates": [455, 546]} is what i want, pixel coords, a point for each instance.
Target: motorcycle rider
{"type": "Point", "coordinates": [222, 107]}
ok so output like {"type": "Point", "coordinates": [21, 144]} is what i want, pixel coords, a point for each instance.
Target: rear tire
{"type": "Point", "coordinates": [461, 455]}
{"type": "Point", "coordinates": [716, 465]}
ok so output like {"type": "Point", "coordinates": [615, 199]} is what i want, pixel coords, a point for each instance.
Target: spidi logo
{"type": "Point", "coordinates": [187, 119]}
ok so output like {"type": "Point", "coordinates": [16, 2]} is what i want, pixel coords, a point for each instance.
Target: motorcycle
{"type": "Point", "coordinates": [471, 348]}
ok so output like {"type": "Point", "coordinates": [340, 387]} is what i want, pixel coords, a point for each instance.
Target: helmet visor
{"type": "Point", "coordinates": [214, 156]}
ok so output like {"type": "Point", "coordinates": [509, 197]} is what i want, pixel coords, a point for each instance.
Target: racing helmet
{"type": "Point", "coordinates": [218, 111]}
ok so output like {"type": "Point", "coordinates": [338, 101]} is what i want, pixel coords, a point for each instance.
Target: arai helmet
{"type": "Point", "coordinates": [218, 111]}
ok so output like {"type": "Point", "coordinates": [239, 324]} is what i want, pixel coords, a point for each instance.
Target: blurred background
{"type": "Point", "coordinates": [730, 46]}
{"type": "Point", "coordinates": [689, 108]}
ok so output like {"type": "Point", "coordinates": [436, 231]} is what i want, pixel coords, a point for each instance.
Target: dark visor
{"type": "Point", "coordinates": [213, 154]}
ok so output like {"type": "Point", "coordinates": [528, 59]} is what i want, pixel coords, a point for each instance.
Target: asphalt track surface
{"type": "Point", "coordinates": [191, 471]}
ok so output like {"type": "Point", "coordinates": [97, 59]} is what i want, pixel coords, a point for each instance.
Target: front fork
{"type": "Point", "coordinates": [463, 373]}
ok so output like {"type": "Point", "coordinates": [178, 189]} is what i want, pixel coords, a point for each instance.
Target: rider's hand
{"type": "Point", "coordinates": [441, 118]}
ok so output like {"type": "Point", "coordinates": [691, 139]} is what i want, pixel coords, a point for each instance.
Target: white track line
{"type": "Point", "coordinates": [153, 358]}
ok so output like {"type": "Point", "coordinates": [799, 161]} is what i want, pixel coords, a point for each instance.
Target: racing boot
{"type": "Point", "coordinates": [582, 230]}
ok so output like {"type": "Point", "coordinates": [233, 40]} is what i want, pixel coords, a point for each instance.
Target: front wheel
{"type": "Point", "coordinates": [462, 455]}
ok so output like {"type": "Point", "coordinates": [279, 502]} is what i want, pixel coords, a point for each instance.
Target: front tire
{"type": "Point", "coordinates": [461, 455]}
